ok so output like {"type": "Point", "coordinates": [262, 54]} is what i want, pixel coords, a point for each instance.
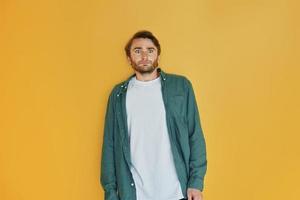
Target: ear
{"type": "Point", "coordinates": [129, 60]}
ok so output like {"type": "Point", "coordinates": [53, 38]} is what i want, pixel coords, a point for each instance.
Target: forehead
{"type": "Point", "coordinates": [142, 42]}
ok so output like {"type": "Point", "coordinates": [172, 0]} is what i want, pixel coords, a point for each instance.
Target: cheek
{"type": "Point", "coordinates": [154, 57]}
{"type": "Point", "coordinates": [136, 60]}
{"type": "Point", "coordinates": [133, 59]}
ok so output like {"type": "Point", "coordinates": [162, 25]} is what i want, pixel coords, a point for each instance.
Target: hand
{"type": "Point", "coordinates": [194, 194]}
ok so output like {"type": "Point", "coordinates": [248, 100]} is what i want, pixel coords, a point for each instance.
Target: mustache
{"type": "Point", "coordinates": [145, 61]}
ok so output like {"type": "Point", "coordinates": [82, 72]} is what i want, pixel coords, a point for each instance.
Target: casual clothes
{"type": "Point", "coordinates": [185, 134]}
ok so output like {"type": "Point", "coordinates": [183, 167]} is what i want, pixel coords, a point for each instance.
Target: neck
{"type": "Point", "coordinates": [147, 76]}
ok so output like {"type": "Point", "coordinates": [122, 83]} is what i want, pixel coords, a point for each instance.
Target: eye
{"type": "Point", "coordinates": [137, 51]}
{"type": "Point", "coordinates": [150, 50]}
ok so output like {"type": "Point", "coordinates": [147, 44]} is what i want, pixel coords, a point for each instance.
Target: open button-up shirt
{"type": "Point", "coordinates": [185, 133]}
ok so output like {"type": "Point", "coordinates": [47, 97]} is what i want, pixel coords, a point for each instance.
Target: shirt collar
{"type": "Point", "coordinates": [124, 85]}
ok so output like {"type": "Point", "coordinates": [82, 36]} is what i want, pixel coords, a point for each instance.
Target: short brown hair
{"type": "Point", "coordinates": [142, 34]}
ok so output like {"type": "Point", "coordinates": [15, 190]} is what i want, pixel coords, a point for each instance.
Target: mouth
{"type": "Point", "coordinates": [145, 62]}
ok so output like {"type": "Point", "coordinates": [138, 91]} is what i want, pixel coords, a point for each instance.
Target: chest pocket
{"type": "Point", "coordinates": [177, 105]}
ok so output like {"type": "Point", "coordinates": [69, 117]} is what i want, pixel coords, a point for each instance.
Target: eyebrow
{"type": "Point", "coordinates": [137, 48]}
{"type": "Point", "coordinates": [141, 48]}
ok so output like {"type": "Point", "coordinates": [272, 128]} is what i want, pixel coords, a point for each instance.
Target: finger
{"type": "Point", "coordinates": [189, 196]}
{"type": "Point", "coordinates": [195, 197]}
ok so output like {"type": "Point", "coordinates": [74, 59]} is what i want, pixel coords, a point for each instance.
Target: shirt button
{"type": "Point", "coordinates": [132, 184]}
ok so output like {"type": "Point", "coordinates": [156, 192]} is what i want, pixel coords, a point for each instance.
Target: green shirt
{"type": "Point", "coordinates": [185, 133]}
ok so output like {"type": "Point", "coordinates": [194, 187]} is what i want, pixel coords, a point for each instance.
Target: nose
{"type": "Point", "coordinates": [144, 54]}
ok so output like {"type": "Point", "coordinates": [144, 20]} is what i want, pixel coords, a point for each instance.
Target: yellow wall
{"type": "Point", "coordinates": [60, 59]}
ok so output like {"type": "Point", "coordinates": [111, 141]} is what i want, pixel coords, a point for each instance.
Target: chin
{"type": "Point", "coordinates": [146, 70]}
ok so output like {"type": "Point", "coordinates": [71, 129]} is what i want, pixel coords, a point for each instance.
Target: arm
{"type": "Point", "coordinates": [108, 176]}
{"type": "Point", "coordinates": [198, 162]}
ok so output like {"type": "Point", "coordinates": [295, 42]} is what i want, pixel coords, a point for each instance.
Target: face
{"type": "Point", "coordinates": [143, 55]}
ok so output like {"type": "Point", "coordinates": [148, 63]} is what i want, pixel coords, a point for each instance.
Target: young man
{"type": "Point", "coordinates": [153, 145]}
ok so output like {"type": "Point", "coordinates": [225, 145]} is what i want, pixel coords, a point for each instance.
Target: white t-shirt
{"type": "Point", "coordinates": [152, 167]}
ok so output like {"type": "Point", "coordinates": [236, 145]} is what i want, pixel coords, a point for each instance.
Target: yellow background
{"type": "Point", "coordinates": [60, 59]}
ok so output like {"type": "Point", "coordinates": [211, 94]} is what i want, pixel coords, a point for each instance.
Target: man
{"type": "Point", "coordinates": [153, 145]}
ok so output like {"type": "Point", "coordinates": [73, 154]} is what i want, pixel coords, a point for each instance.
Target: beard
{"type": "Point", "coordinates": [145, 67]}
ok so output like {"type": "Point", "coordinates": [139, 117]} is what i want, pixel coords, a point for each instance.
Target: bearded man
{"type": "Point", "coordinates": [153, 144]}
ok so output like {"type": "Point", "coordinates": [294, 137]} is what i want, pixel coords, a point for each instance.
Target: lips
{"type": "Point", "coordinates": [145, 62]}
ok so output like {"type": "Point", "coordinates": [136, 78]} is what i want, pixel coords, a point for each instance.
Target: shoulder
{"type": "Point", "coordinates": [115, 91]}
{"type": "Point", "coordinates": [178, 80]}
{"type": "Point", "coordinates": [120, 87]}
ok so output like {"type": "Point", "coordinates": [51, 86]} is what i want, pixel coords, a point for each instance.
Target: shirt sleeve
{"type": "Point", "coordinates": [108, 176]}
{"type": "Point", "coordinates": [198, 161]}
